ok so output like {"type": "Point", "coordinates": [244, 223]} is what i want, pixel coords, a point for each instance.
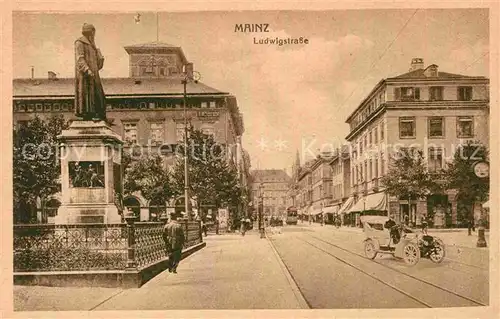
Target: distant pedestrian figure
{"type": "Point", "coordinates": [470, 226]}
{"type": "Point", "coordinates": [243, 227]}
{"type": "Point", "coordinates": [216, 226]}
{"type": "Point", "coordinates": [173, 235]}
{"type": "Point", "coordinates": [204, 227]}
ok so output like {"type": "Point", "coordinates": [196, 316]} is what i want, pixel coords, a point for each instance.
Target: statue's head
{"type": "Point", "coordinates": [88, 30]}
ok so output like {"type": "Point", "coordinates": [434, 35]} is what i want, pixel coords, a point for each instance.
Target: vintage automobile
{"type": "Point", "coordinates": [401, 242]}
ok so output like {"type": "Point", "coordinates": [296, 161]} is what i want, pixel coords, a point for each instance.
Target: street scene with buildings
{"type": "Point", "coordinates": [158, 169]}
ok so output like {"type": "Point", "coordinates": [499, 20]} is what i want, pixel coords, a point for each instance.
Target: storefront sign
{"type": "Point", "coordinates": [208, 114]}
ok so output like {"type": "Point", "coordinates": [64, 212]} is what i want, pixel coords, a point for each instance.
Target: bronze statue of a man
{"type": "Point", "coordinates": [90, 101]}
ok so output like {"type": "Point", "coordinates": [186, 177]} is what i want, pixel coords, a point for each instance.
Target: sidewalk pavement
{"type": "Point", "coordinates": [231, 272]}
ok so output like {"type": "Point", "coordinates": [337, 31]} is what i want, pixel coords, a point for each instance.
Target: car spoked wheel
{"type": "Point", "coordinates": [370, 251]}
{"type": "Point", "coordinates": [411, 254]}
{"type": "Point", "coordinates": [437, 253]}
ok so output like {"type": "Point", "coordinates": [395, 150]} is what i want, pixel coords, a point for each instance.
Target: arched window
{"type": "Point", "coordinates": [156, 209]}
{"type": "Point", "coordinates": [50, 210]}
{"type": "Point", "coordinates": [132, 203]}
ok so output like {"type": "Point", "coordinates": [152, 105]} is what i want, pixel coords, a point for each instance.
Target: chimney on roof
{"type": "Point", "coordinates": [417, 64]}
{"type": "Point", "coordinates": [52, 76]}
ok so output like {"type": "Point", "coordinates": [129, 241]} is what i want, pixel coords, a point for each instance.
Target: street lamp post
{"type": "Point", "coordinates": [188, 76]}
{"type": "Point", "coordinates": [261, 208]}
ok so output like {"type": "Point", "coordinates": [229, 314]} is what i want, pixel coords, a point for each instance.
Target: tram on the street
{"type": "Point", "coordinates": [291, 216]}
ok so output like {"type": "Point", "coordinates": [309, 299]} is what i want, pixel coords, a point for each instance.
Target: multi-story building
{"type": "Point", "coordinates": [304, 193]}
{"type": "Point", "coordinates": [424, 109]}
{"type": "Point", "coordinates": [341, 182]}
{"type": "Point", "coordinates": [146, 108]}
{"type": "Point", "coordinates": [321, 174]}
{"type": "Point", "coordinates": [272, 186]}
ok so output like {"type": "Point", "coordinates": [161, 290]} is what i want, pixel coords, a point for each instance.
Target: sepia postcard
{"type": "Point", "coordinates": [250, 159]}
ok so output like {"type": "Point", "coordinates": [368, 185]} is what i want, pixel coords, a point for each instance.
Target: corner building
{"type": "Point", "coordinates": [425, 109]}
{"type": "Point", "coordinates": [146, 109]}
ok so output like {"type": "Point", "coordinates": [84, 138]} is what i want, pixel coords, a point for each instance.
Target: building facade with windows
{"type": "Point", "coordinates": [424, 109]}
{"type": "Point", "coordinates": [272, 185]}
{"type": "Point", "coordinates": [146, 108]}
{"type": "Point", "coordinates": [321, 185]}
{"type": "Point", "coordinates": [341, 182]}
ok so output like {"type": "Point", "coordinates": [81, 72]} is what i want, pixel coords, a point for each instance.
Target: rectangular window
{"type": "Point", "coordinates": [435, 160]}
{"type": "Point", "coordinates": [151, 105]}
{"type": "Point", "coordinates": [370, 177]}
{"type": "Point", "coordinates": [47, 107]}
{"type": "Point", "coordinates": [162, 71]}
{"type": "Point", "coordinates": [156, 133]}
{"type": "Point", "coordinates": [57, 107]}
{"type": "Point", "coordinates": [180, 132]}
{"type": "Point", "coordinates": [212, 104]}
{"type": "Point", "coordinates": [382, 164]}
{"type": "Point", "coordinates": [407, 127]}
{"type": "Point", "coordinates": [465, 126]}
{"type": "Point", "coordinates": [436, 93]}
{"type": "Point", "coordinates": [204, 104]}
{"type": "Point", "coordinates": [370, 138]}
{"type": "Point", "coordinates": [464, 93]}
{"type": "Point", "coordinates": [65, 106]}
{"type": "Point", "coordinates": [375, 135]}
{"type": "Point", "coordinates": [361, 147]}
{"type": "Point", "coordinates": [39, 107]}
{"type": "Point", "coordinates": [436, 127]}
{"type": "Point", "coordinates": [130, 133]}
{"type": "Point", "coordinates": [365, 175]}
{"type": "Point", "coordinates": [376, 168]}
{"type": "Point", "coordinates": [407, 94]}
{"type": "Point", "coordinates": [21, 108]}
{"type": "Point", "coordinates": [382, 131]}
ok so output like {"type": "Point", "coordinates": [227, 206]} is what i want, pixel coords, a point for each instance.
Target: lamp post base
{"type": "Point", "coordinates": [481, 240]}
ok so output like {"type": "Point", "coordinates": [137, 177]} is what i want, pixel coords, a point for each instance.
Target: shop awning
{"type": "Point", "coordinates": [486, 205]}
{"type": "Point", "coordinates": [347, 204]}
{"type": "Point", "coordinates": [375, 201]}
{"type": "Point", "coordinates": [331, 209]}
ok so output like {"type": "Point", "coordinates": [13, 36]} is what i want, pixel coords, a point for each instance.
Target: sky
{"type": "Point", "coordinates": [294, 97]}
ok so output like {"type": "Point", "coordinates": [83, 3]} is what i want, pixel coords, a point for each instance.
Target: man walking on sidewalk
{"type": "Point", "coordinates": [173, 235]}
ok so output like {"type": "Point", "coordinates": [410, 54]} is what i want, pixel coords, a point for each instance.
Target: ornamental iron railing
{"type": "Point", "coordinates": [80, 247]}
{"type": "Point", "coordinates": [70, 247]}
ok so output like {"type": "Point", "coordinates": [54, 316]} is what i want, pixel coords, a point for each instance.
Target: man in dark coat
{"type": "Point", "coordinates": [173, 234]}
{"type": "Point", "coordinates": [89, 95]}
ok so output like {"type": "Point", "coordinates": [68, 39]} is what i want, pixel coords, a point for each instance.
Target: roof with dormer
{"type": "Point", "coordinates": [420, 74]}
{"type": "Point", "coordinates": [118, 87]}
{"type": "Point", "coordinates": [270, 176]}
{"type": "Point", "coordinates": [155, 47]}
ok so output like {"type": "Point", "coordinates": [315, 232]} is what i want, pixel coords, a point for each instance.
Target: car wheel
{"type": "Point", "coordinates": [370, 251]}
{"type": "Point", "coordinates": [437, 253]}
{"type": "Point", "coordinates": [411, 254]}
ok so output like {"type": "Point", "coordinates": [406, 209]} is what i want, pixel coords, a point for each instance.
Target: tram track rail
{"type": "Point", "coordinates": [469, 300]}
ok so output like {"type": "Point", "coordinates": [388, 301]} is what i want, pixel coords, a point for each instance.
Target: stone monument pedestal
{"type": "Point", "coordinates": [91, 173]}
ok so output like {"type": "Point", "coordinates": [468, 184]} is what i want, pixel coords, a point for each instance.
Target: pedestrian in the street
{"type": "Point", "coordinates": [216, 225]}
{"type": "Point", "coordinates": [204, 227]}
{"type": "Point", "coordinates": [173, 234]}
{"type": "Point", "coordinates": [242, 227]}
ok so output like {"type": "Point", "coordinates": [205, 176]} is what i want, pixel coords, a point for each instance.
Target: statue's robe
{"type": "Point", "coordinates": [90, 100]}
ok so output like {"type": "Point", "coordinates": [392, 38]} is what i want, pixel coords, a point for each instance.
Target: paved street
{"type": "Point", "coordinates": [330, 269]}
{"type": "Point", "coordinates": [319, 267]}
